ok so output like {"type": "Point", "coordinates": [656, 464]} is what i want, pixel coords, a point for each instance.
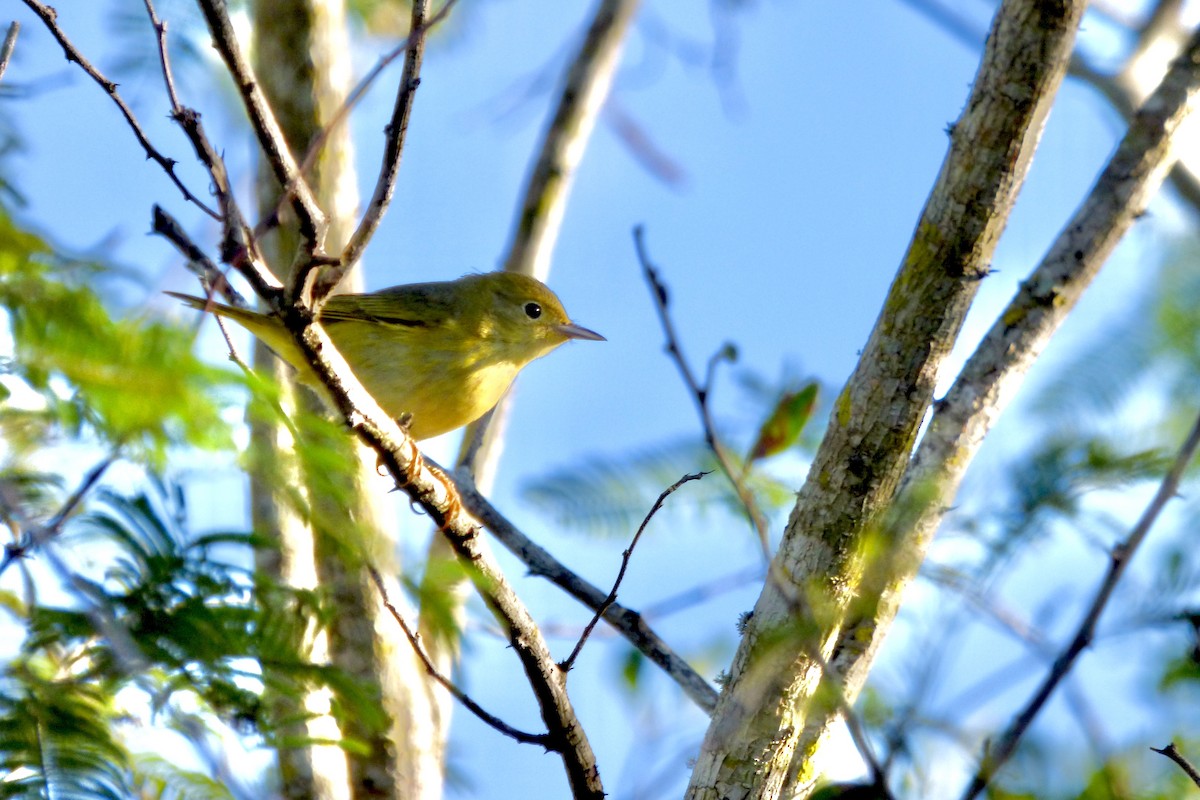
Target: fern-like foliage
{"type": "Point", "coordinates": [611, 495]}
{"type": "Point", "coordinates": [57, 735]}
{"type": "Point", "coordinates": [129, 380]}
{"type": "Point", "coordinates": [173, 614]}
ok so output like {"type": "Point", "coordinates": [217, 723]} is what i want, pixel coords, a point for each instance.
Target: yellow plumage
{"type": "Point", "coordinates": [441, 352]}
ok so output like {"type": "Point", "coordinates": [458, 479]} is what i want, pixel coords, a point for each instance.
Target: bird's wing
{"type": "Point", "coordinates": [416, 305]}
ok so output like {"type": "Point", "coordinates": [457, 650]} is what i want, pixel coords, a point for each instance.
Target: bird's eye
{"type": "Point", "coordinates": [533, 310]}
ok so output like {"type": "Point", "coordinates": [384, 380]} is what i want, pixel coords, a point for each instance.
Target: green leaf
{"type": "Point", "coordinates": [161, 778]}
{"type": "Point", "coordinates": [633, 667]}
{"type": "Point", "coordinates": [785, 423]}
{"type": "Point", "coordinates": [132, 380]}
{"type": "Point", "coordinates": [57, 736]}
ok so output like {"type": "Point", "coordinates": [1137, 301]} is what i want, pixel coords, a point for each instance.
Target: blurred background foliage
{"type": "Point", "coordinates": [128, 619]}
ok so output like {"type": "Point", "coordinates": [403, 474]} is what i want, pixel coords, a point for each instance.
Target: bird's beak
{"type": "Point", "coordinates": [573, 331]}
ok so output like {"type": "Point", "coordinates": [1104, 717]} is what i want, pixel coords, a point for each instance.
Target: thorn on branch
{"type": "Point", "coordinates": [1172, 752]}
{"type": "Point", "coordinates": [49, 17]}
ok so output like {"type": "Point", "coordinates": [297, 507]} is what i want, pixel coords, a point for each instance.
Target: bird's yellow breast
{"type": "Point", "coordinates": [442, 387]}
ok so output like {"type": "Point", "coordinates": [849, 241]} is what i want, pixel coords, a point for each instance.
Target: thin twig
{"type": "Point", "coordinates": [10, 44]}
{"type": "Point", "coordinates": [33, 537]}
{"type": "Point", "coordinates": [625, 557]}
{"type": "Point", "coordinates": [160, 32]}
{"type": "Point", "coordinates": [1121, 555]}
{"type": "Point", "coordinates": [700, 593]}
{"type": "Point", "coordinates": [267, 132]}
{"type": "Point", "coordinates": [700, 394]}
{"type": "Point", "coordinates": [488, 718]}
{"type": "Point", "coordinates": [352, 99]}
{"type": "Point", "coordinates": [239, 248]}
{"type": "Point", "coordinates": [1172, 752]}
{"type": "Point", "coordinates": [238, 244]}
{"type": "Point", "coordinates": [197, 260]}
{"type": "Point", "coordinates": [50, 18]}
{"type": "Point", "coordinates": [393, 147]}
{"type": "Point", "coordinates": [626, 621]}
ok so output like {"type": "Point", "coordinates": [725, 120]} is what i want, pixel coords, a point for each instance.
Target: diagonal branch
{"type": "Point", "coordinates": [393, 145]}
{"type": "Point", "coordinates": [1172, 752]}
{"type": "Point", "coordinates": [700, 394]}
{"type": "Point", "coordinates": [30, 537]}
{"type": "Point", "coordinates": [996, 369]}
{"type": "Point", "coordinates": [487, 717]}
{"type": "Point", "coordinates": [238, 245]}
{"type": "Point", "coordinates": [267, 132]}
{"type": "Point", "coordinates": [625, 621]}
{"type": "Point", "coordinates": [212, 279]}
{"type": "Point", "coordinates": [339, 118]}
{"type": "Point", "coordinates": [1121, 555]}
{"type": "Point", "coordinates": [772, 713]}
{"type": "Point", "coordinates": [585, 88]}
{"type": "Point", "coordinates": [10, 44]}
{"type": "Point", "coordinates": [625, 558]}
{"type": "Point", "coordinates": [50, 18]}
{"type": "Point", "coordinates": [1117, 88]}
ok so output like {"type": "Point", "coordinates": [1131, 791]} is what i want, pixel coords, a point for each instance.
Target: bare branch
{"type": "Point", "coordinates": [50, 18]}
{"type": "Point", "coordinates": [160, 33]}
{"type": "Point", "coordinates": [995, 371]}
{"type": "Point", "coordinates": [270, 138]}
{"type": "Point", "coordinates": [700, 395]}
{"type": "Point", "coordinates": [196, 259]}
{"type": "Point", "coordinates": [627, 622]}
{"type": "Point", "coordinates": [10, 44]}
{"type": "Point", "coordinates": [487, 717]}
{"type": "Point", "coordinates": [584, 90]}
{"type": "Point", "coordinates": [238, 246]}
{"type": "Point", "coordinates": [625, 557]}
{"type": "Point", "coordinates": [393, 146]}
{"type": "Point", "coordinates": [1119, 197]}
{"type": "Point", "coordinates": [876, 418]}
{"type": "Point", "coordinates": [1172, 752]}
{"type": "Point", "coordinates": [436, 494]}
{"type": "Point", "coordinates": [1121, 555]}
{"type": "Point", "coordinates": [352, 99]}
{"type": "Point", "coordinates": [1116, 88]}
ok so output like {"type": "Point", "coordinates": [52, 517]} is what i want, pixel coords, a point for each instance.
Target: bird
{"type": "Point", "coordinates": [437, 355]}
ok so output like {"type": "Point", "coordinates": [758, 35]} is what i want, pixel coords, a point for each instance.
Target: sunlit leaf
{"type": "Point", "coordinates": [167, 780]}
{"type": "Point", "coordinates": [783, 427]}
{"type": "Point", "coordinates": [57, 737]}
{"type": "Point", "coordinates": [134, 381]}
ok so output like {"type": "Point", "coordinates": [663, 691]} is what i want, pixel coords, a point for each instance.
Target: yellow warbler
{"type": "Point", "coordinates": [438, 354]}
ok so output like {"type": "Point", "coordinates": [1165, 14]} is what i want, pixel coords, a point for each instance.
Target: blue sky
{"type": "Point", "coordinates": [801, 189]}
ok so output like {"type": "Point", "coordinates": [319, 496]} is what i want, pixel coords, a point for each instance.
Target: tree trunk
{"type": "Point", "coordinates": [301, 51]}
{"type": "Point", "coordinates": [780, 700]}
